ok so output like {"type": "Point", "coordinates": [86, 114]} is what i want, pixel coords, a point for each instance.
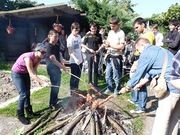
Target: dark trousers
{"type": "Point", "coordinates": [91, 63]}
{"type": "Point", "coordinates": [55, 77]}
{"type": "Point", "coordinates": [75, 70]}
{"type": "Point", "coordinates": [22, 83]}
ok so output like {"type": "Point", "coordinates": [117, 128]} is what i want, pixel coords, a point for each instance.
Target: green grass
{"type": "Point", "coordinates": [40, 99]}
{"type": "Point", "coordinates": [4, 65]}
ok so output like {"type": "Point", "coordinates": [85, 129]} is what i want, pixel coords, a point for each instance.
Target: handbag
{"type": "Point", "coordinates": [158, 83]}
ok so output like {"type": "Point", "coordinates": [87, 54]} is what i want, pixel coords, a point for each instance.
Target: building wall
{"type": "Point", "coordinates": [26, 33]}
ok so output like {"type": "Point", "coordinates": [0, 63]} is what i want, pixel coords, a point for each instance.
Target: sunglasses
{"type": "Point", "coordinates": [43, 52]}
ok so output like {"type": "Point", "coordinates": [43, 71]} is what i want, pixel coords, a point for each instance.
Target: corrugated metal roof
{"type": "Point", "coordinates": [59, 9]}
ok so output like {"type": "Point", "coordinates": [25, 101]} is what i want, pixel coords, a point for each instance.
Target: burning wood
{"type": "Point", "coordinates": [89, 118]}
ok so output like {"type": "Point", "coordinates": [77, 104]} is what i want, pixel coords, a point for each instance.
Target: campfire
{"type": "Point", "coordinates": [84, 114]}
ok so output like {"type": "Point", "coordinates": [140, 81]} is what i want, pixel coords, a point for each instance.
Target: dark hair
{"type": "Point", "coordinates": [154, 26]}
{"type": "Point", "coordinates": [128, 38]}
{"type": "Point", "coordinates": [113, 20]}
{"type": "Point", "coordinates": [52, 32]}
{"type": "Point", "coordinates": [75, 25]}
{"type": "Point", "coordinates": [140, 21]}
{"type": "Point", "coordinates": [174, 22]}
{"type": "Point", "coordinates": [93, 24]}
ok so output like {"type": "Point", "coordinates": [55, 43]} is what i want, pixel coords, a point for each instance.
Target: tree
{"type": "Point", "coordinates": [163, 19]}
{"type": "Point", "coordinates": [6, 5]}
{"type": "Point", "coordinates": [100, 11]}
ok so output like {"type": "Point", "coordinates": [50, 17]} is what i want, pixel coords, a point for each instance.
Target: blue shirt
{"type": "Point", "coordinates": [150, 64]}
{"type": "Point", "coordinates": [175, 73]}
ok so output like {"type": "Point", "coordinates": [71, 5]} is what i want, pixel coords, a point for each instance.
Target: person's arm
{"type": "Point", "coordinates": [32, 71]}
{"type": "Point", "coordinates": [117, 46]}
{"type": "Point", "coordinates": [175, 83]}
{"type": "Point", "coordinates": [175, 43]}
{"type": "Point", "coordinates": [57, 63]}
{"type": "Point", "coordinates": [85, 47]}
{"type": "Point", "coordinates": [71, 53]}
{"type": "Point", "coordinates": [141, 83]}
{"type": "Point", "coordinates": [166, 39]}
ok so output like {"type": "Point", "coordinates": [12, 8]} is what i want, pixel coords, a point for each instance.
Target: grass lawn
{"type": "Point", "coordinates": [40, 99]}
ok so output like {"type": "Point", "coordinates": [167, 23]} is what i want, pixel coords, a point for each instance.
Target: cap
{"type": "Point", "coordinates": [40, 46]}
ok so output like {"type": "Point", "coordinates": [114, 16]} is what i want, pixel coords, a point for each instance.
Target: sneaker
{"type": "Point", "coordinates": [107, 91]}
{"type": "Point", "coordinates": [130, 101]}
{"type": "Point", "coordinates": [136, 111]}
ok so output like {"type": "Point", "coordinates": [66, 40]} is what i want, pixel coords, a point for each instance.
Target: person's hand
{"type": "Point", "coordinates": [66, 70]}
{"type": "Point", "coordinates": [124, 90]}
{"type": "Point", "coordinates": [77, 62]}
{"type": "Point", "coordinates": [137, 87]}
{"type": "Point", "coordinates": [45, 84]}
{"type": "Point", "coordinates": [91, 50]}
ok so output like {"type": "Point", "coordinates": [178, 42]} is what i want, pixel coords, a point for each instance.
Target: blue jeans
{"type": "Point", "coordinates": [113, 74]}
{"type": "Point", "coordinates": [134, 95]}
{"type": "Point", "coordinates": [54, 73]}
{"type": "Point", "coordinates": [75, 70]}
{"type": "Point", "coordinates": [142, 98]}
{"type": "Point", "coordinates": [22, 83]}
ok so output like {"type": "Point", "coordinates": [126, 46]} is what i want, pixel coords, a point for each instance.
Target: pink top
{"type": "Point", "coordinates": [20, 65]}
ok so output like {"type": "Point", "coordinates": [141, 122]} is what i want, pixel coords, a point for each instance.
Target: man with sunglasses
{"type": "Point", "coordinates": [24, 68]}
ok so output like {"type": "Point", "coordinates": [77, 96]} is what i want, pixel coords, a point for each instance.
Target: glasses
{"type": "Point", "coordinates": [43, 52]}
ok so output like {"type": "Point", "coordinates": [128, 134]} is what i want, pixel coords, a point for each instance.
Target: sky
{"type": "Point", "coordinates": [145, 8]}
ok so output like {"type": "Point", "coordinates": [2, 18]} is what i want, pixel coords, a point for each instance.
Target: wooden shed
{"type": "Point", "coordinates": [31, 26]}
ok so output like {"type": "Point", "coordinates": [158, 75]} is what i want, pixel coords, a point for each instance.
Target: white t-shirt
{"type": "Point", "coordinates": [115, 38]}
{"type": "Point", "coordinates": [159, 37]}
{"type": "Point", "coordinates": [75, 43]}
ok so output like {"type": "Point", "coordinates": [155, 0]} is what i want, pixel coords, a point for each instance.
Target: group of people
{"type": "Point", "coordinates": [148, 62]}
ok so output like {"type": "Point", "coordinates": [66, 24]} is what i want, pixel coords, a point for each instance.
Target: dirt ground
{"type": "Point", "coordinates": [8, 91]}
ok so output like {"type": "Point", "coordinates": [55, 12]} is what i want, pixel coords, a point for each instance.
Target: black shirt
{"type": "Point", "coordinates": [52, 50]}
{"type": "Point", "coordinates": [92, 41]}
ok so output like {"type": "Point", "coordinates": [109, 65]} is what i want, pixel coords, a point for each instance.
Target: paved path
{"type": "Point", "coordinates": [151, 112]}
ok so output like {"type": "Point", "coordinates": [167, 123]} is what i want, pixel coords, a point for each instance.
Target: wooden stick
{"type": "Point", "coordinates": [92, 127]}
{"type": "Point", "coordinates": [88, 117]}
{"type": "Point", "coordinates": [96, 123]}
{"type": "Point", "coordinates": [104, 118]}
{"type": "Point", "coordinates": [46, 121]}
{"type": "Point", "coordinates": [116, 125]}
{"type": "Point", "coordinates": [102, 102]}
{"type": "Point", "coordinates": [64, 117]}
{"type": "Point", "coordinates": [57, 126]}
{"type": "Point", "coordinates": [72, 124]}
{"type": "Point", "coordinates": [36, 122]}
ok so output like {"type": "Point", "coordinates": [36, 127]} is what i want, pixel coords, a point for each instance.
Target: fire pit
{"type": "Point", "coordinates": [85, 114]}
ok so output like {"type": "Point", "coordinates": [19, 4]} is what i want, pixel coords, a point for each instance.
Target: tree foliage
{"type": "Point", "coordinates": [100, 11]}
{"type": "Point", "coordinates": [163, 19]}
{"type": "Point", "coordinates": [6, 5]}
